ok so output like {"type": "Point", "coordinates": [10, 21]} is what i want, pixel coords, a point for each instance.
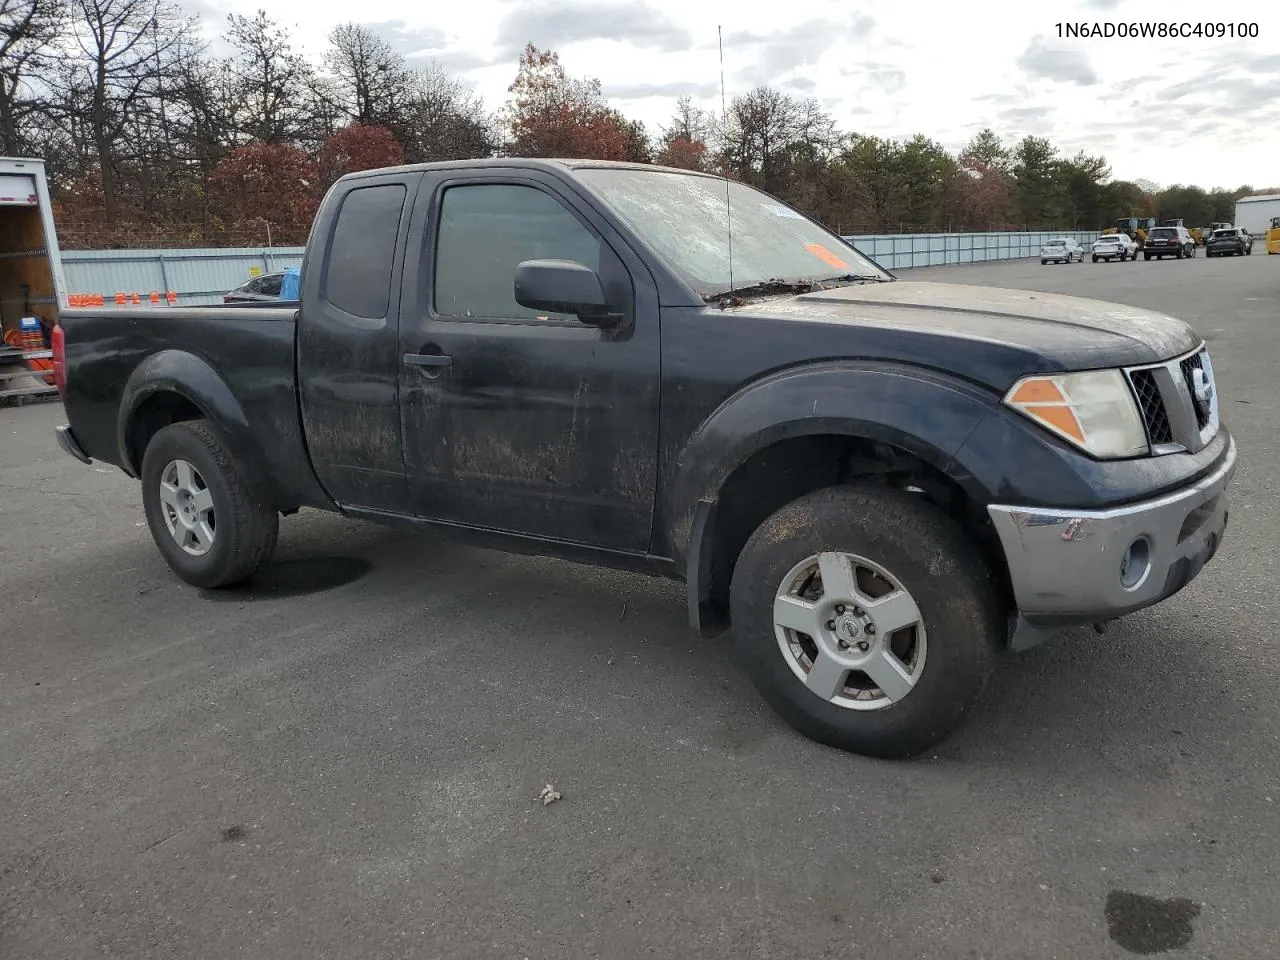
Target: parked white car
{"type": "Point", "coordinates": [1061, 251]}
{"type": "Point", "coordinates": [1115, 246]}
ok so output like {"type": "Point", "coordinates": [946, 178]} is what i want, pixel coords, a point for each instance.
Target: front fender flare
{"type": "Point", "coordinates": [921, 412]}
{"type": "Point", "coordinates": [191, 377]}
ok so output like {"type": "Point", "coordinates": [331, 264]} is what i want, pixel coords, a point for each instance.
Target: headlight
{"type": "Point", "coordinates": [1094, 410]}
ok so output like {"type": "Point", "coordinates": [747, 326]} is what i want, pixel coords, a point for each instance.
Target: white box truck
{"type": "Point", "coordinates": [1256, 213]}
{"type": "Point", "coordinates": [32, 286]}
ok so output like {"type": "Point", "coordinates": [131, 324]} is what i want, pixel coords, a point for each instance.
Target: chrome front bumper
{"type": "Point", "coordinates": [1070, 567]}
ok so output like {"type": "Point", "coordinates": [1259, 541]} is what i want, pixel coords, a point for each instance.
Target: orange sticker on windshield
{"type": "Point", "coordinates": [826, 256]}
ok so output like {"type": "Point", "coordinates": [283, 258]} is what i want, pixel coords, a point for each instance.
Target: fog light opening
{"type": "Point", "coordinates": [1135, 564]}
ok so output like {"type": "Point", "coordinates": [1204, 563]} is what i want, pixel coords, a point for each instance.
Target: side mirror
{"type": "Point", "coordinates": [563, 286]}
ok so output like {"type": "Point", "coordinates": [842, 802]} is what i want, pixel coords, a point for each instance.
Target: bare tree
{"type": "Point", "coordinates": [689, 122]}
{"type": "Point", "coordinates": [29, 32]}
{"type": "Point", "coordinates": [126, 49]}
{"type": "Point", "coordinates": [445, 120]}
{"type": "Point", "coordinates": [371, 83]}
{"type": "Point", "coordinates": [768, 137]}
{"type": "Point", "coordinates": [272, 82]}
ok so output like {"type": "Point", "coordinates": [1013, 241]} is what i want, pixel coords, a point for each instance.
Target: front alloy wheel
{"type": "Point", "coordinates": [849, 631]}
{"type": "Point", "coordinates": [867, 618]}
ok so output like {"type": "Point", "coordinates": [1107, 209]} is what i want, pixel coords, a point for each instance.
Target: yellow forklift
{"type": "Point", "coordinates": [1197, 233]}
{"type": "Point", "coordinates": [1273, 236]}
{"type": "Point", "coordinates": [1136, 227]}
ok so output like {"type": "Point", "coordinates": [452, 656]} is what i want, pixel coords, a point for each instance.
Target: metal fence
{"type": "Point", "coordinates": [204, 275]}
{"type": "Point", "coordinates": [898, 251]}
{"type": "Point", "coordinates": [196, 276]}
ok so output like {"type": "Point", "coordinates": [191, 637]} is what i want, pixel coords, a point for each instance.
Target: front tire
{"type": "Point", "coordinates": [867, 619]}
{"type": "Point", "coordinates": [207, 524]}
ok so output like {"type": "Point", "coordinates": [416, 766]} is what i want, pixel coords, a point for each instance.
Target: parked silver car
{"type": "Point", "coordinates": [1062, 250]}
{"type": "Point", "coordinates": [1115, 246]}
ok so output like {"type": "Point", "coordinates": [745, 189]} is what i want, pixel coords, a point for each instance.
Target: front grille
{"type": "Point", "coordinates": [1152, 406]}
{"type": "Point", "coordinates": [1189, 366]}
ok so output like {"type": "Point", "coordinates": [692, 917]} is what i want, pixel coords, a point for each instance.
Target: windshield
{"type": "Point", "coordinates": [1223, 233]}
{"type": "Point", "coordinates": [1056, 243]}
{"type": "Point", "coordinates": [682, 217]}
{"type": "Point", "coordinates": [1163, 232]}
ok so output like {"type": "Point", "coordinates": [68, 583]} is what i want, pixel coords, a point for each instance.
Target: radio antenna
{"type": "Point", "coordinates": [724, 126]}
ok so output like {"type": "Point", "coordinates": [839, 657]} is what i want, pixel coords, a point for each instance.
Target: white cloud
{"type": "Point", "coordinates": [1192, 110]}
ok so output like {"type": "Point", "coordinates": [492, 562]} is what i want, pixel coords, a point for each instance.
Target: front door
{"type": "Point", "coordinates": [514, 420]}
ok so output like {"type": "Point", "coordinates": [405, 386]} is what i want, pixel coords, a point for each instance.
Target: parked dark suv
{"type": "Point", "coordinates": [1231, 242]}
{"type": "Point", "coordinates": [1169, 242]}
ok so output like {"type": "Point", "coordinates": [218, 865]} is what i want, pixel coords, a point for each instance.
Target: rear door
{"type": "Point", "coordinates": [348, 344]}
{"type": "Point", "coordinates": [530, 424]}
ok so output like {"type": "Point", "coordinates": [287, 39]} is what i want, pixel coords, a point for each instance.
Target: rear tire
{"type": "Point", "coordinates": [939, 663]}
{"type": "Point", "coordinates": [209, 527]}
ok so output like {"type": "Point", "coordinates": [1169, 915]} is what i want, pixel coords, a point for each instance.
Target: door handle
{"type": "Point", "coordinates": [428, 360]}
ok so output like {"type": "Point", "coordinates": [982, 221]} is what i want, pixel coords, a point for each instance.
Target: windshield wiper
{"type": "Point", "coordinates": [848, 278]}
{"type": "Point", "coordinates": [738, 295]}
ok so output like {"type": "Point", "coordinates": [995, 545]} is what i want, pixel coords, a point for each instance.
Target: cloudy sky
{"type": "Point", "coordinates": [1184, 110]}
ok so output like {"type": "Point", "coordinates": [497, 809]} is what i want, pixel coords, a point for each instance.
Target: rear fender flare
{"type": "Point", "coordinates": [191, 377]}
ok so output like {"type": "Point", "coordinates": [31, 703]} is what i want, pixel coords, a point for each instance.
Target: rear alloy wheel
{"type": "Point", "coordinates": [867, 619]}
{"type": "Point", "coordinates": [186, 504]}
{"type": "Point", "coordinates": [207, 524]}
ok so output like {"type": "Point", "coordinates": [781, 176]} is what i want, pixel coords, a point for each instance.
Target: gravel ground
{"type": "Point", "coordinates": [344, 761]}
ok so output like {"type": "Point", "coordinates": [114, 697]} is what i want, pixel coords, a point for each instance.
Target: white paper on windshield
{"type": "Point", "coordinates": [778, 210]}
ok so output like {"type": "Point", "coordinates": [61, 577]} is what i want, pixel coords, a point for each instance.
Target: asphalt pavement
{"type": "Point", "coordinates": [344, 760]}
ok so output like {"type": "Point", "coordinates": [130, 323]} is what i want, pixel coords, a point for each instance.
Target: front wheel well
{"type": "Point", "coordinates": [156, 412]}
{"type": "Point", "coordinates": [792, 468]}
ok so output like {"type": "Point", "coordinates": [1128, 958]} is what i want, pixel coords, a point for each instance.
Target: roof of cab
{"type": "Point", "coordinates": [526, 163]}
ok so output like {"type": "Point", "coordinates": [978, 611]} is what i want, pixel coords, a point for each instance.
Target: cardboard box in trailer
{"type": "Point", "coordinates": [1256, 213]}
{"type": "Point", "coordinates": [32, 287]}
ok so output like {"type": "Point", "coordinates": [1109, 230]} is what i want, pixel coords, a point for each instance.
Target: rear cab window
{"type": "Point", "coordinates": [358, 269]}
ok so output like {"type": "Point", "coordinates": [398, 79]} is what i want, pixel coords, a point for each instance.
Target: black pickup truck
{"type": "Point", "coordinates": [881, 484]}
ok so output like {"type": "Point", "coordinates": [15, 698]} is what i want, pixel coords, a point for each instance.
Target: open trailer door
{"type": "Point", "coordinates": [32, 288]}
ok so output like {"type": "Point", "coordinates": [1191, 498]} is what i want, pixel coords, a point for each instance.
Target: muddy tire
{"type": "Point", "coordinates": [209, 527]}
{"type": "Point", "coordinates": [834, 654]}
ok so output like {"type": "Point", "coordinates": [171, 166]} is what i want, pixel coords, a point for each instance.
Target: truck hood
{"type": "Point", "coordinates": [1032, 330]}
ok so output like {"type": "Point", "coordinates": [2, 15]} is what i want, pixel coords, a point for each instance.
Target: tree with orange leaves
{"type": "Point", "coordinates": [554, 115]}
{"type": "Point", "coordinates": [272, 182]}
{"type": "Point", "coordinates": [358, 147]}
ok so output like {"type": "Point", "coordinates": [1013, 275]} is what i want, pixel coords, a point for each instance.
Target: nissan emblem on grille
{"type": "Point", "coordinates": [1203, 388]}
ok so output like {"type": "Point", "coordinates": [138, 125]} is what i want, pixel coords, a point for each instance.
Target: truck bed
{"type": "Point", "coordinates": [243, 355]}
